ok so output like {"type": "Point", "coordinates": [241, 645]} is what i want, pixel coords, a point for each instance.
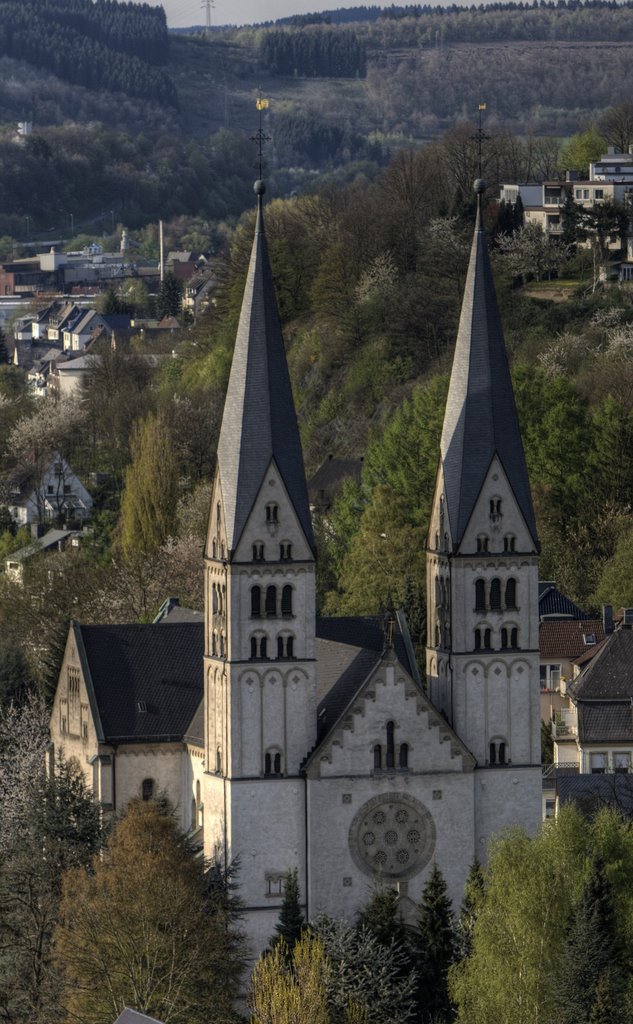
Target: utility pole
{"type": "Point", "coordinates": [208, 6]}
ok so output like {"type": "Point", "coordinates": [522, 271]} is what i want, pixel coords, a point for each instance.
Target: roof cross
{"type": "Point", "coordinates": [260, 138]}
{"type": "Point", "coordinates": [480, 137]}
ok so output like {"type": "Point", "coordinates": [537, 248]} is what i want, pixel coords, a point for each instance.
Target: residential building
{"type": "Point", "coordinates": [46, 491]}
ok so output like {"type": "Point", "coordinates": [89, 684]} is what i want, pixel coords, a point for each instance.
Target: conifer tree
{"type": "Point", "coordinates": [591, 949]}
{"type": "Point", "coordinates": [381, 916]}
{"type": "Point", "coordinates": [291, 921]}
{"type": "Point", "coordinates": [474, 892]}
{"type": "Point", "coordinates": [4, 352]}
{"type": "Point", "coordinates": [436, 946]}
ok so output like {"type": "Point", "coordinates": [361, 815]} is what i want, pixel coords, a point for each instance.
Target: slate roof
{"type": "Point", "coordinates": [348, 649]}
{"type": "Point", "coordinates": [610, 722]}
{"type": "Point", "coordinates": [134, 1017]}
{"type": "Point", "coordinates": [259, 421]}
{"type": "Point", "coordinates": [552, 603]}
{"type": "Point", "coordinates": [481, 418]}
{"type": "Point", "coordinates": [133, 667]}
{"type": "Point", "coordinates": [330, 477]}
{"type": "Point", "coordinates": [609, 676]}
{"type": "Point", "coordinates": [567, 638]}
{"type": "Point", "coordinates": [591, 792]}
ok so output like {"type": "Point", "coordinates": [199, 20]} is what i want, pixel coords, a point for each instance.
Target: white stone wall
{"type": "Point", "coordinates": [506, 797]}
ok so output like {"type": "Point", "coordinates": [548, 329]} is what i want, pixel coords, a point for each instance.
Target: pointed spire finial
{"type": "Point", "coordinates": [480, 137]}
{"type": "Point", "coordinates": [260, 138]}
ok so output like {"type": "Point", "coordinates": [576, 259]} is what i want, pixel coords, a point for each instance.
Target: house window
{"type": "Point", "coordinates": [598, 193]}
{"type": "Point", "coordinates": [621, 762]}
{"type": "Point", "coordinates": [511, 593]}
{"type": "Point", "coordinates": [286, 600]}
{"type": "Point", "coordinates": [550, 676]}
{"type": "Point", "coordinates": [272, 513]}
{"type": "Point", "coordinates": [50, 489]}
{"type": "Point", "coordinates": [495, 595]}
{"type": "Point", "coordinates": [271, 602]}
{"type": "Point", "coordinates": [480, 595]}
{"type": "Point", "coordinates": [598, 764]}
{"type": "Point", "coordinates": [274, 885]}
{"type": "Point", "coordinates": [482, 542]}
{"type": "Point", "coordinates": [256, 602]}
{"type": "Point", "coordinates": [147, 789]}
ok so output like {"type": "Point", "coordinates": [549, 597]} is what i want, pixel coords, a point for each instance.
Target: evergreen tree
{"type": "Point", "coordinates": [291, 923]}
{"type": "Point", "coordinates": [474, 893]}
{"type": "Point", "coordinates": [605, 1009]}
{"type": "Point", "coordinates": [4, 352]}
{"type": "Point", "coordinates": [592, 948]}
{"type": "Point", "coordinates": [382, 918]}
{"type": "Point", "coordinates": [169, 299]}
{"type": "Point", "coordinates": [436, 948]}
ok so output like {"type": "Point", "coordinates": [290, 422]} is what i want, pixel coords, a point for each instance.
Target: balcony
{"type": "Point", "coordinates": [565, 725]}
{"type": "Point", "coordinates": [552, 772]}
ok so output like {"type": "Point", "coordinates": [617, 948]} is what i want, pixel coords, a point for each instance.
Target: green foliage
{"type": "Point", "coordinates": [314, 52]}
{"type": "Point", "coordinates": [291, 923]}
{"type": "Point", "coordinates": [581, 149]}
{"type": "Point", "coordinates": [381, 917]}
{"type": "Point", "coordinates": [60, 829]}
{"type": "Point", "coordinates": [615, 584]}
{"type": "Point", "coordinates": [169, 301]}
{"type": "Point", "coordinates": [141, 928]}
{"type": "Point", "coordinates": [474, 895]}
{"type": "Point", "coordinates": [290, 986]}
{"type": "Point", "coordinates": [16, 677]}
{"type": "Point", "coordinates": [436, 945]}
{"type": "Point", "coordinates": [12, 539]}
{"type": "Point", "coordinates": [148, 502]}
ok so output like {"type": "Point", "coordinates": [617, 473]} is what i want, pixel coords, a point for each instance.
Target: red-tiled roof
{"type": "Point", "coordinates": [564, 638]}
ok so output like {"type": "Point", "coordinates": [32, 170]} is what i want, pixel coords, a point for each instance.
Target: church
{"type": "Point", "coordinates": [284, 740]}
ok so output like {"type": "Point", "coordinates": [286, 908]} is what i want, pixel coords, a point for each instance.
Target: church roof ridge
{"type": "Point", "coordinates": [481, 419]}
{"type": "Point", "coordinates": [259, 423]}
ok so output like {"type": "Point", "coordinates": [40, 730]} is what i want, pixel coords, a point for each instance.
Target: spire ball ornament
{"type": "Point", "coordinates": [480, 186]}
{"type": "Point", "coordinates": [259, 187]}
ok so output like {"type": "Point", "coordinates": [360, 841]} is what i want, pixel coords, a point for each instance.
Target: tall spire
{"type": "Point", "coordinates": [259, 422]}
{"type": "Point", "coordinates": [481, 418]}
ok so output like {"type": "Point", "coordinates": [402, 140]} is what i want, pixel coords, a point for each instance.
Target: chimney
{"type": "Point", "coordinates": [607, 618]}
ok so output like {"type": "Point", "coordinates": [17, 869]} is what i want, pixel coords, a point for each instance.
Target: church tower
{"type": "Point", "coordinates": [260, 677]}
{"type": "Point", "coordinates": [482, 658]}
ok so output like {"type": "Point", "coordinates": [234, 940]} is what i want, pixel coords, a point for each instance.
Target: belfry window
{"type": "Point", "coordinates": [495, 595]}
{"type": "Point", "coordinates": [404, 755]}
{"type": "Point", "coordinates": [480, 595]}
{"type": "Point", "coordinates": [273, 764]}
{"type": "Point", "coordinates": [286, 600]}
{"type": "Point", "coordinates": [271, 602]}
{"type": "Point", "coordinates": [285, 552]}
{"type": "Point", "coordinates": [482, 543]}
{"type": "Point", "coordinates": [495, 510]}
{"type": "Point", "coordinates": [509, 542]}
{"type": "Point", "coordinates": [377, 757]}
{"type": "Point", "coordinates": [511, 593]}
{"type": "Point", "coordinates": [258, 552]}
{"type": "Point", "coordinates": [272, 513]}
{"type": "Point", "coordinates": [256, 602]}
{"type": "Point", "coordinates": [514, 637]}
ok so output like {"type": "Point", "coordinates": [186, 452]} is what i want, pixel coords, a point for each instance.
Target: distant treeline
{"type": "Point", "coordinates": [315, 52]}
{"type": "Point", "coordinates": [495, 22]}
{"type": "Point", "coordinates": [103, 45]}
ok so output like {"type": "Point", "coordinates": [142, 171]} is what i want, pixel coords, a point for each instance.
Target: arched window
{"type": "Point", "coordinates": [147, 789]}
{"type": "Point", "coordinates": [214, 548]}
{"type": "Point", "coordinates": [253, 647]}
{"type": "Point", "coordinates": [514, 637]}
{"type": "Point", "coordinates": [218, 762]}
{"type": "Point", "coordinates": [214, 599]}
{"type": "Point", "coordinates": [290, 647]}
{"type": "Point", "coordinates": [218, 512]}
{"type": "Point", "coordinates": [286, 600]}
{"type": "Point", "coordinates": [280, 647]}
{"type": "Point", "coordinates": [267, 764]}
{"type": "Point", "coordinates": [404, 755]}
{"type": "Point", "coordinates": [222, 641]}
{"type": "Point", "coordinates": [438, 635]}
{"type": "Point", "coordinates": [258, 552]}
{"type": "Point", "coordinates": [495, 595]}
{"type": "Point", "coordinates": [504, 638]}
{"type": "Point", "coordinates": [482, 543]}
{"type": "Point", "coordinates": [272, 513]}
{"type": "Point", "coordinates": [509, 542]}
{"type": "Point", "coordinates": [273, 762]}
{"type": "Point", "coordinates": [277, 764]}
{"type": "Point", "coordinates": [480, 595]}
{"type": "Point", "coordinates": [502, 753]}
{"type": "Point", "coordinates": [256, 602]}
{"type": "Point", "coordinates": [495, 509]}
{"type": "Point", "coordinates": [493, 753]}
{"type": "Point", "coordinates": [271, 602]}
{"type": "Point", "coordinates": [487, 639]}
{"type": "Point", "coordinates": [214, 644]}
{"type": "Point", "coordinates": [477, 639]}
{"type": "Point", "coordinates": [285, 552]}
{"type": "Point", "coordinates": [263, 647]}
{"type": "Point", "coordinates": [391, 763]}
{"type": "Point", "coordinates": [511, 593]}
{"type": "Point", "coordinates": [377, 757]}
{"type": "Point", "coordinates": [194, 814]}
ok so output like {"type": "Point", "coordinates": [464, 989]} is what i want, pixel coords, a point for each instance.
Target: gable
{"type": "Point", "coordinates": [389, 695]}
{"type": "Point", "coordinates": [496, 513]}
{"type": "Point", "coordinates": [271, 531]}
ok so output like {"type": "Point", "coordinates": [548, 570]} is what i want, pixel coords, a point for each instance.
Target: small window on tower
{"type": "Point", "coordinates": [482, 543]}
{"type": "Point", "coordinates": [258, 552]}
{"type": "Point", "coordinates": [272, 513]}
{"type": "Point", "coordinates": [285, 552]}
{"type": "Point", "coordinates": [509, 542]}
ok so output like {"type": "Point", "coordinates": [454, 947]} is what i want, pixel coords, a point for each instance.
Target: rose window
{"type": "Point", "coordinates": [392, 836]}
